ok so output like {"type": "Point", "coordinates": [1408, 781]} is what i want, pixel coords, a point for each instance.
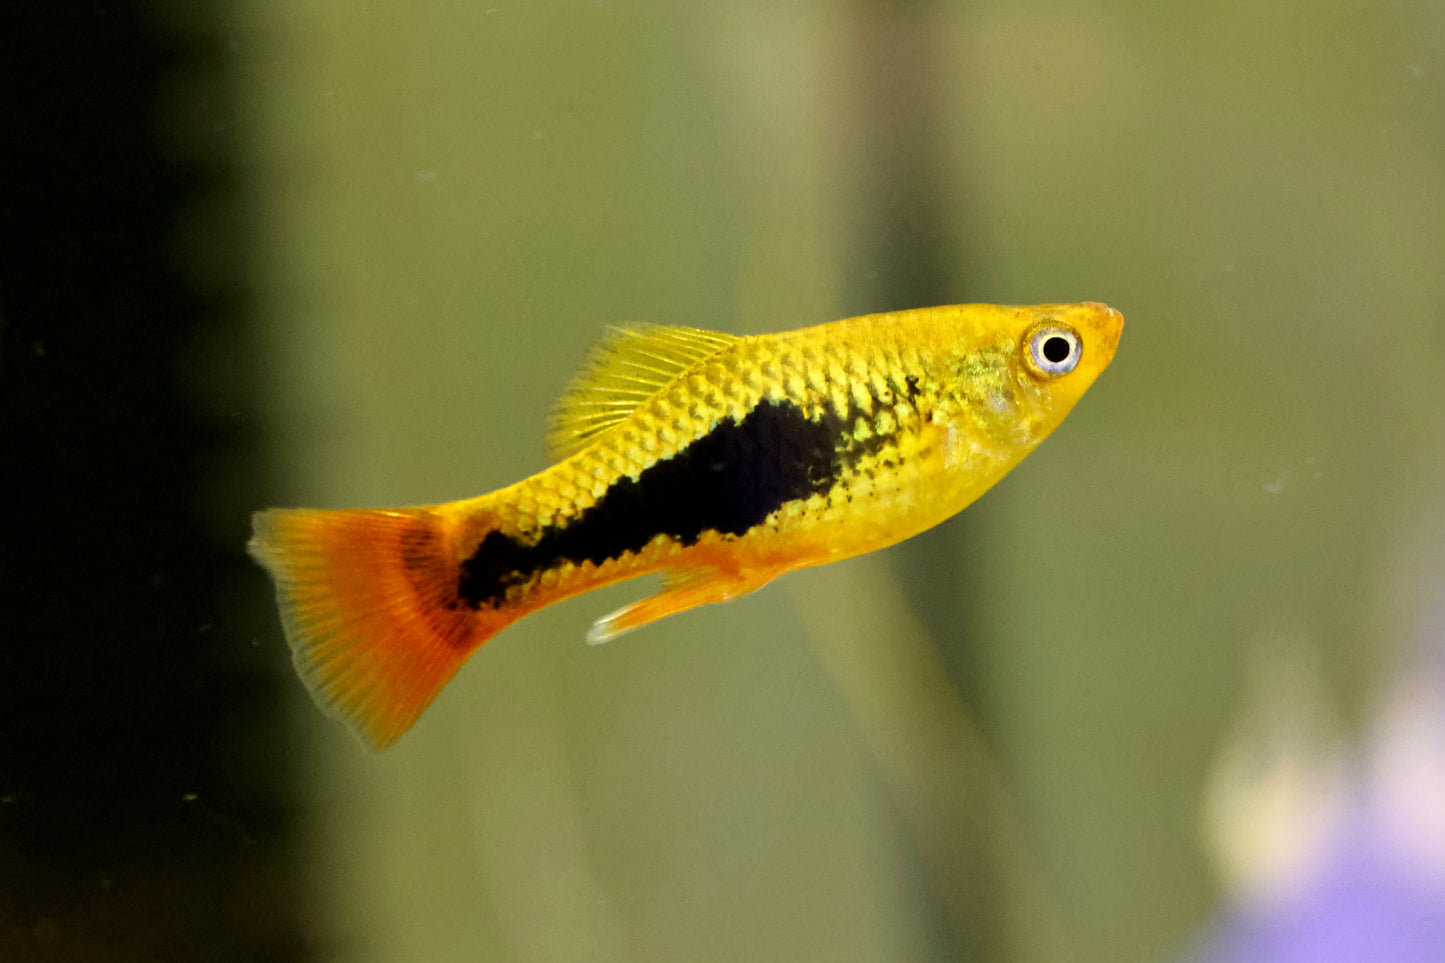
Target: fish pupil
{"type": "Point", "coordinates": [1057, 349]}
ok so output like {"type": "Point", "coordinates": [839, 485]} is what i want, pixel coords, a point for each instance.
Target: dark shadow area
{"type": "Point", "coordinates": [915, 257]}
{"type": "Point", "coordinates": [142, 792]}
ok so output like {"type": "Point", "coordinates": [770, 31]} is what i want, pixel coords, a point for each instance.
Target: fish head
{"type": "Point", "coordinates": [1011, 374]}
{"type": "Point", "coordinates": [1059, 351]}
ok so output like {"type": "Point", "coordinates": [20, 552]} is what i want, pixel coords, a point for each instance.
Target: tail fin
{"type": "Point", "coordinates": [369, 603]}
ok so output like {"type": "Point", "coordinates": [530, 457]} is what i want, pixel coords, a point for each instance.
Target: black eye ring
{"type": "Point", "coordinates": [1053, 350]}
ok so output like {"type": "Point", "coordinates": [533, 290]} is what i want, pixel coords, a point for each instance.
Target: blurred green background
{"type": "Point", "coordinates": [1061, 727]}
{"type": "Point", "coordinates": [993, 741]}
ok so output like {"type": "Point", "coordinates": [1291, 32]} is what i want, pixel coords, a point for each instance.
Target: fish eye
{"type": "Point", "coordinates": [1053, 350]}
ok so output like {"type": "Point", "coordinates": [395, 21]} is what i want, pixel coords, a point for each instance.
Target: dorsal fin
{"type": "Point", "coordinates": [629, 365]}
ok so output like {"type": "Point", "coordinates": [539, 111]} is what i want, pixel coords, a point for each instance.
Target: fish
{"type": "Point", "coordinates": [719, 461]}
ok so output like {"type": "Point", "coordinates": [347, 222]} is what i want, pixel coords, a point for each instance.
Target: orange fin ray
{"type": "Point", "coordinates": [682, 589]}
{"type": "Point", "coordinates": [369, 604]}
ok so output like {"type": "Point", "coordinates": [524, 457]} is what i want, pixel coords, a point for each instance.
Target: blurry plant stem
{"type": "Point", "coordinates": [934, 761]}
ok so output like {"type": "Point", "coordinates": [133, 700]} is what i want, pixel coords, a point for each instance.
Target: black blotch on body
{"type": "Point", "coordinates": [498, 563]}
{"type": "Point", "coordinates": [727, 481]}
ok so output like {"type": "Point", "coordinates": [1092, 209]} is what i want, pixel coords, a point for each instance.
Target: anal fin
{"type": "Point", "coordinates": [681, 590]}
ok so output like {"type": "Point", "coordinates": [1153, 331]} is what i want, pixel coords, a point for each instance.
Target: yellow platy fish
{"type": "Point", "coordinates": [720, 461]}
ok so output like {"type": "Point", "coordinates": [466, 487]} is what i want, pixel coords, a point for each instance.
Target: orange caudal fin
{"type": "Point", "coordinates": [369, 604]}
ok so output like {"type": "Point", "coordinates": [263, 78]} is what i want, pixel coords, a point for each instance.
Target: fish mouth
{"type": "Point", "coordinates": [1109, 323]}
{"type": "Point", "coordinates": [1112, 316]}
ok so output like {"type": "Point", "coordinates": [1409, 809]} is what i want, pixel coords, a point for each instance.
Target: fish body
{"type": "Point", "coordinates": [717, 460]}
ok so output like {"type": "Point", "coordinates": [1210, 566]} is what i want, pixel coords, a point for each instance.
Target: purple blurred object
{"type": "Point", "coordinates": [1375, 890]}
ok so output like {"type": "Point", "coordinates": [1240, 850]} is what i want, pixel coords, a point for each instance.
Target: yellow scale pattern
{"type": "Point", "coordinates": [910, 410]}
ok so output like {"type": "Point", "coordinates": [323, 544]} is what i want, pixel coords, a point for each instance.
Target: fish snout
{"type": "Point", "coordinates": [1108, 322]}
